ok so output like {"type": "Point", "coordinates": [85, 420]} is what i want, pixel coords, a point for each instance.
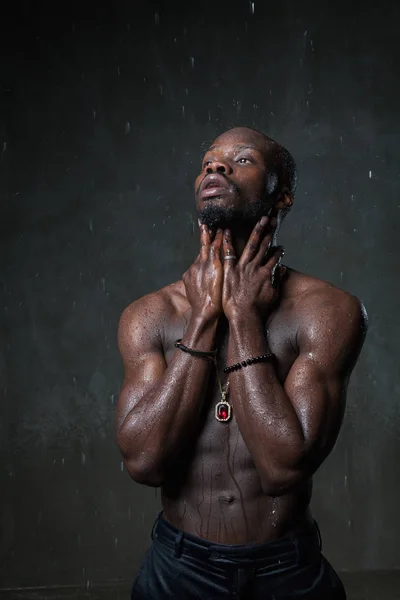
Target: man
{"type": "Point", "coordinates": [234, 451]}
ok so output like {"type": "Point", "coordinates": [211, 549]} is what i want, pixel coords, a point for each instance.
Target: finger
{"type": "Point", "coordinates": [228, 253]}
{"type": "Point", "coordinates": [277, 276]}
{"type": "Point", "coordinates": [260, 257]}
{"type": "Point", "coordinates": [275, 264]}
{"type": "Point", "coordinates": [215, 248]}
{"type": "Point", "coordinates": [253, 244]}
{"type": "Point", "coordinates": [276, 258]}
{"type": "Point", "coordinates": [204, 241]}
{"type": "Point", "coordinates": [212, 234]}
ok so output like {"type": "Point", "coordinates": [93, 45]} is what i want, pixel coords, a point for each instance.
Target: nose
{"type": "Point", "coordinates": [218, 166]}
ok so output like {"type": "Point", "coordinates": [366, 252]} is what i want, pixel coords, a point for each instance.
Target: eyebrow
{"type": "Point", "coordinates": [236, 147]}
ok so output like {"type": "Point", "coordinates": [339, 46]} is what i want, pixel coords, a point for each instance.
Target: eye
{"type": "Point", "coordinates": [243, 160]}
{"type": "Point", "coordinates": [206, 163]}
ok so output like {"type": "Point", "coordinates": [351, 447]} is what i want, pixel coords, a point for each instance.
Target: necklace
{"type": "Point", "coordinates": [223, 409]}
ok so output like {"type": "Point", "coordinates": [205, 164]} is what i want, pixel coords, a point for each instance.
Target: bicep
{"type": "Point", "coordinates": [143, 361]}
{"type": "Point", "coordinates": [329, 345]}
{"type": "Point", "coordinates": [318, 394]}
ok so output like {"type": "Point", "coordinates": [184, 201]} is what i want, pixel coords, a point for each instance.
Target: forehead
{"type": "Point", "coordinates": [240, 137]}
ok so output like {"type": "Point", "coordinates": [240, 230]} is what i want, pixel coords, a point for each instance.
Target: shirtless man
{"type": "Point", "coordinates": [236, 475]}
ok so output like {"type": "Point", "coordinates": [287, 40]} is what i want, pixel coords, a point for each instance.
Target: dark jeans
{"type": "Point", "coordinates": [185, 567]}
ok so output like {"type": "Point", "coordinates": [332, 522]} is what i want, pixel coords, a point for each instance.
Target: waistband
{"type": "Point", "coordinates": [301, 546]}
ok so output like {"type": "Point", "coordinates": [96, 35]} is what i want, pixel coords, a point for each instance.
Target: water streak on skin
{"type": "Point", "coordinates": [211, 495]}
{"type": "Point", "coordinates": [230, 469]}
{"type": "Point", "coordinates": [200, 532]}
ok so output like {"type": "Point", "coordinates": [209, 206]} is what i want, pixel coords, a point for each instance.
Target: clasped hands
{"type": "Point", "coordinates": [218, 282]}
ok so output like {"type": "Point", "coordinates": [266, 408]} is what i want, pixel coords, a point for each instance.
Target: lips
{"type": "Point", "coordinates": [213, 185]}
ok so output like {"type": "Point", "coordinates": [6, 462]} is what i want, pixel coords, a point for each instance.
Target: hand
{"type": "Point", "coordinates": [250, 285]}
{"type": "Point", "coordinates": [203, 280]}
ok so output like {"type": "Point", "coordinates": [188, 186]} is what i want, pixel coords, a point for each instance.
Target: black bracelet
{"type": "Point", "coordinates": [250, 361]}
{"type": "Point", "coordinates": [211, 354]}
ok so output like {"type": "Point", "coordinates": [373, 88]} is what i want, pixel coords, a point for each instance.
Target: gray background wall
{"type": "Point", "coordinates": [103, 116]}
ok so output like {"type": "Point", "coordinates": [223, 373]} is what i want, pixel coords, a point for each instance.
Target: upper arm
{"type": "Point", "coordinates": [141, 351]}
{"type": "Point", "coordinates": [332, 331]}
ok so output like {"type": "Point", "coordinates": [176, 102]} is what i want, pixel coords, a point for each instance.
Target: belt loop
{"type": "Point", "coordinates": [178, 544]}
{"type": "Point", "coordinates": [155, 525]}
{"type": "Point", "coordinates": [319, 535]}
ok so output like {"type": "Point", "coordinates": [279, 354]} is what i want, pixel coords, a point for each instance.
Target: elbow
{"type": "Point", "coordinates": [143, 473]}
{"type": "Point", "coordinates": [282, 482]}
{"type": "Point", "coordinates": [143, 466]}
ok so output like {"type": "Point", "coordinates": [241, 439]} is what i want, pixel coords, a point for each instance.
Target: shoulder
{"type": "Point", "coordinates": [327, 315]}
{"type": "Point", "coordinates": [150, 312]}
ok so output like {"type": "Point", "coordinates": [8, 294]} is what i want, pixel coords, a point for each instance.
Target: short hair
{"type": "Point", "coordinates": [283, 163]}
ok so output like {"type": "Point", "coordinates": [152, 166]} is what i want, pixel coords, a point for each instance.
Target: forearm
{"type": "Point", "coordinates": [266, 417]}
{"type": "Point", "coordinates": [164, 418]}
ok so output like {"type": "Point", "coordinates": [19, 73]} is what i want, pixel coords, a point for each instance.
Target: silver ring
{"type": "Point", "coordinates": [230, 257]}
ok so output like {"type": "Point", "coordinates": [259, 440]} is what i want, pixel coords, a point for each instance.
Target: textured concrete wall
{"type": "Point", "coordinates": [103, 117]}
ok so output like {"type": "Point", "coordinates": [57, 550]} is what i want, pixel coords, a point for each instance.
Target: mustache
{"type": "Point", "coordinates": [231, 183]}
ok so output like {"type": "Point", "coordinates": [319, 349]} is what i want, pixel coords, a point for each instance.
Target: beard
{"type": "Point", "coordinates": [224, 217]}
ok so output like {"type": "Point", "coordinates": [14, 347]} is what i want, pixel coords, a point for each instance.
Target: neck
{"type": "Point", "coordinates": [240, 237]}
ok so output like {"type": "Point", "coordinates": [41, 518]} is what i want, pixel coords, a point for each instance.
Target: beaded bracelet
{"type": "Point", "coordinates": [250, 361]}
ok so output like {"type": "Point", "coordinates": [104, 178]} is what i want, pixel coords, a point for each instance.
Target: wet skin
{"type": "Point", "coordinates": [248, 480]}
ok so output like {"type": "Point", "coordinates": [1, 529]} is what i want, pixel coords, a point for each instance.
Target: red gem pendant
{"type": "Point", "coordinates": [223, 411]}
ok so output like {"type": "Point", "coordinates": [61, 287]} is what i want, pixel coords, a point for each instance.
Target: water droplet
{"type": "Point", "coordinates": [127, 127]}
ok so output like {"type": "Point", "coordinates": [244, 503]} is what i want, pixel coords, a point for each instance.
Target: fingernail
{"type": "Point", "coordinates": [263, 220]}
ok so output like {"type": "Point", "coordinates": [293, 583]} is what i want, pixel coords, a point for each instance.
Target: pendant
{"type": "Point", "coordinates": [223, 410]}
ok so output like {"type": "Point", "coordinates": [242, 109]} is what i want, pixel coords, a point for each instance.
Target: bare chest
{"type": "Point", "coordinates": [280, 333]}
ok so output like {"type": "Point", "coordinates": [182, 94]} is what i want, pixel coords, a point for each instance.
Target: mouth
{"type": "Point", "coordinates": [212, 186]}
{"type": "Point", "coordinates": [213, 192]}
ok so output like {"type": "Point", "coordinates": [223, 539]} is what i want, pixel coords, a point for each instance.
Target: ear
{"type": "Point", "coordinates": [284, 200]}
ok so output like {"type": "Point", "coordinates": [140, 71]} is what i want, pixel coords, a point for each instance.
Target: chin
{"type": "Point", "coordinates": [216, 214]}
